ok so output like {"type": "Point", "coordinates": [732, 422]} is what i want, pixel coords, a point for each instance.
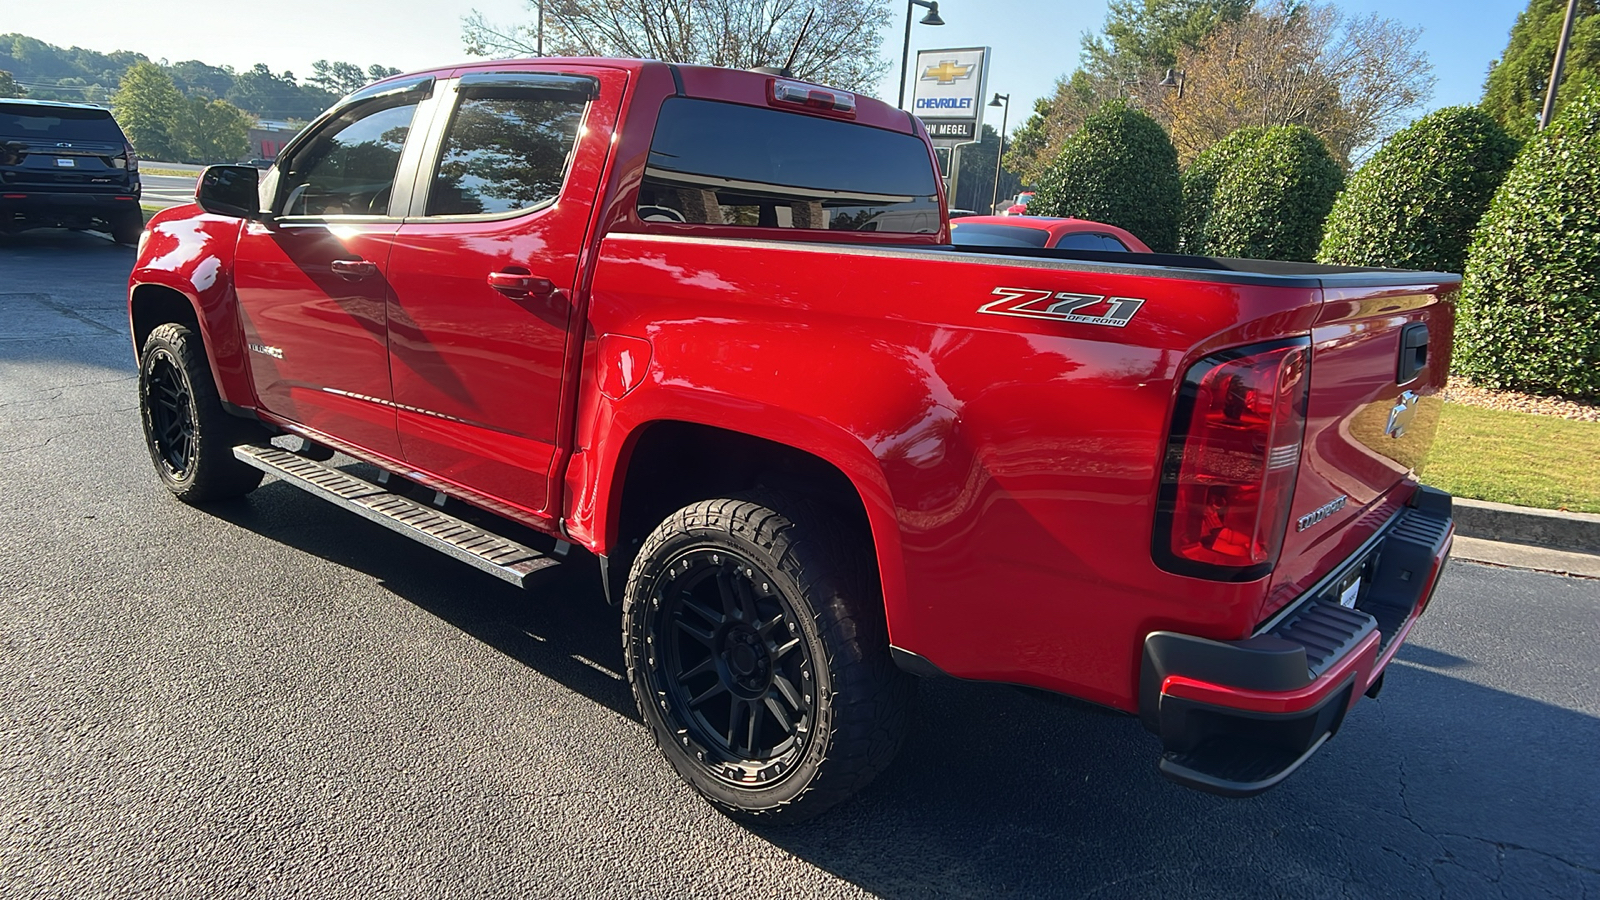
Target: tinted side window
{"type": "Point", "coordinates": [1080, 240]}
{"type": "Point", "coordinates": [505, 151]}
{"type": "Point", "coordinates": [1086, 240]}
{"type": "Point", "coordinates": [348, 168]}
{"type": "Point", "coordinates": [728, 164]}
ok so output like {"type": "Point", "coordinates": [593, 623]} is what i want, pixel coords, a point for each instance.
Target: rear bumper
{"type": "Point", "coordinates": [20, 206]}
{"type": "Point", "coordinates": [1236, 718]}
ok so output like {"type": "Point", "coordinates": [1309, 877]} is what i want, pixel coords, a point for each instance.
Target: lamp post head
{"type": "Point", "coordinates": [1000, 100]}
{"type": "Point", "coordinates": [1171, 80]}
{"type": "Point", "coordinates": [932, 18]}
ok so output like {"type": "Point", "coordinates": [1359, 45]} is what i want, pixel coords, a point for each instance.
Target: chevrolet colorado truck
{"type": "Point", "coordinates": [709, 326]}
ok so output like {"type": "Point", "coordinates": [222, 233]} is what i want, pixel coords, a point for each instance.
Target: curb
{"type": "Point", "coordinates": [1554, 530]}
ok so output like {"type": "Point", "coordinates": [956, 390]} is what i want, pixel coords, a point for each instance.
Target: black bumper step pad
{"type": "Point", "coordinates": [1327, 630]}
{"type": "Point", "coordinates": [499, 556]}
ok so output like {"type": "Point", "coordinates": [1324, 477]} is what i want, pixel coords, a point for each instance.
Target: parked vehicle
{"type": "Point", "coordinates": [67, 165]}
{"type": "Point", "coordinates": [1044, 231]}
{"type": "Point", "coordinates": [1019, 206]}
{"type": "Point", "coordinates": [709, 326]}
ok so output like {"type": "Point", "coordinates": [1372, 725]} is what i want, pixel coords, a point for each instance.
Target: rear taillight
{"type": "Point", "coordinates": [130, 158]}
{"type": "Point", "coordinates": [1232, 459]}
{"type": "Point", "coordinates": [809, 96]}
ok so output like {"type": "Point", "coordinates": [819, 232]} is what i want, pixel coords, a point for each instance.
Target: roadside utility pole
{"type": "Point", "coordinates": [1555, 70]}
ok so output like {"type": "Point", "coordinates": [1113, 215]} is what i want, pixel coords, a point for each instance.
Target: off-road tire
{"type": "Point", "coordinates": [126, 228]}
{"type": "Point", "coordinates": [819, 573]}
{"type": "Point", "coordinates": [189, 435]}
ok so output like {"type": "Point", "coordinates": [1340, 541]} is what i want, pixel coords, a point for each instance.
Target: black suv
{"type": "Point", "coordinates": [67, 165]}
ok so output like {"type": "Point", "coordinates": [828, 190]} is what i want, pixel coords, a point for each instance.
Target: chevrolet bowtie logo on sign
{"type": "Point", "coordinates": [947, 93]}
{"type": "Point", "coordinates": [947, 71]}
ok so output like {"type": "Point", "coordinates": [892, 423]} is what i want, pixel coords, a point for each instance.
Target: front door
{"type": "Point", "coordinates": [312, 280]}
{"type": "Point", "coordinates": [484, 271]}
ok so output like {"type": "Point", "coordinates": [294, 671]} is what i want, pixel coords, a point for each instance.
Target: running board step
{"type": "Point", "coordinates": [505, 559]}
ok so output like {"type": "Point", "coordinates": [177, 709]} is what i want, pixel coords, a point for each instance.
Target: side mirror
{"type": "Point", "coordinates": [230, 191]}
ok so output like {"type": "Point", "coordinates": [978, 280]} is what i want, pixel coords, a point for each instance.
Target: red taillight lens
{"type": "Point", "coordinates": [1232, 461]}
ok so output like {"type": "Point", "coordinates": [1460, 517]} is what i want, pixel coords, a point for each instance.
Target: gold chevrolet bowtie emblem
{"type": "Point", "coordinates": [946, 72]}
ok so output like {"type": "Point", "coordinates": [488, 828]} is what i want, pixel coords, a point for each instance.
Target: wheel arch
{"type": "Point", "coordinates": [665, 464]}
{"type": "Point", "coordinates": [152, 304]}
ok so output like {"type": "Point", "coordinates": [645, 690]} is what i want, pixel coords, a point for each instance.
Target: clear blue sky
{"type": "Point", "coordinates": [1034, 41]}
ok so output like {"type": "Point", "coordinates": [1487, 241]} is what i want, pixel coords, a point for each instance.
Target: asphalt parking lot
{"type": "Point", "coordinates": [274, 698]}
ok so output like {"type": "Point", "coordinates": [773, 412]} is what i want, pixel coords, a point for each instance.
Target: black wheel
{"type": "Point", "coordinates": [757, 651]}
{"type": "Point", "coordinates": [190, 436]}
{"type": "Point", "coordinates": [126, 228]}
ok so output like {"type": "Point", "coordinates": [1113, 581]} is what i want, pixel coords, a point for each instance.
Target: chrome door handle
{"type": "Point", "coordinates": [353, 269]}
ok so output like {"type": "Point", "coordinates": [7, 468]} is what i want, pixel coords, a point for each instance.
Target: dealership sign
{"type": "Point", "coordinates": [949, 92]}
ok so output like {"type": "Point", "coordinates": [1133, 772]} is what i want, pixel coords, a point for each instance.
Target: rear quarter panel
{"type": "Point", "coordinates": [1008, 464]}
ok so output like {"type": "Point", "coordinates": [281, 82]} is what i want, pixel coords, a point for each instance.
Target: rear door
{"type": "Point", "coordinates": [312, 283]}
{"type": "Point", "coordinates": [484, 272]}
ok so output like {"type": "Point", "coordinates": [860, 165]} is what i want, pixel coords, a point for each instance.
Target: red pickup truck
{"type": "Point", "coordinates": [709, 327]}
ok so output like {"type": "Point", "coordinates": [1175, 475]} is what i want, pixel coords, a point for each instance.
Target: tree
{"type": "Point", "coordinates": [1515, 90]}
{"type": "Point", "coordinates": [1200, 181]}
{"type": "Point", "coordinates": [1351, 80]}
{"type": "Point", "coordinates": [214, 131]}
{"type": "Point", "coordinates": [1272, 201]}
{"type": "Point", "coordinates": [273, 96]}
{"type": "Point", "coordinates": [1040, 139]}
{"type": "Point", "coordinates": [341, 78]}
{"type": "Point", "coordinates": [1121, 169]}
{"type": "Point", "coordinates": [840, 48]}
{"type": "Point", "coordinates": [1415, 204]}
{"type": "Point", "coordinates": [975, 187]}
{"type": "Point", "coordinates": [1142, 38]}
{"type": "Point", "coordinates": [149, 107]}
{"type": "Point", "coordinates": [1529, 307]}
{"type": "Point", "coordinates": [9, 86]}
{"type": "Point", "coordinates": [196, 79]}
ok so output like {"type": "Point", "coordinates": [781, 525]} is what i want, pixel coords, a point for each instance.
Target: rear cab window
{"type": "Point", "coordinates": [715, 163]}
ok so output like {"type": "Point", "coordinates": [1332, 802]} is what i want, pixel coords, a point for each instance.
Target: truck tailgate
{"type": "Point", "coordinates": [1380, 357]}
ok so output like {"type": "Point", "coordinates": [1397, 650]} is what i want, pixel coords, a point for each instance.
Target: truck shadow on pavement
{"type": "Point", "coordinates": [1439, 788]}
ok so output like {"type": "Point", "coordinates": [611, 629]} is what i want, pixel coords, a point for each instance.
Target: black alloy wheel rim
{"type": "Point", "coordinates": [168, 403]}
{"type": "Point", "coordinates": [732, 675]}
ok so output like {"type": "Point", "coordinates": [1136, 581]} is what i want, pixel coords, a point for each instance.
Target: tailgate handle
{"type": "Point", "coordinates": [1413, 352]}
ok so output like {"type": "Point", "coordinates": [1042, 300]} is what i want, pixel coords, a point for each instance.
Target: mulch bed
{"type": "Point", "coordinates": [1459, 391]}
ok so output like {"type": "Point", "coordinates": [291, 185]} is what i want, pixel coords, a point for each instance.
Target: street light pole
{"type": "Point", "coordinates": [1003, 100]}
{"type": "Point", "coordinates": [932, 18]}
{"type": "Point", "coordinates": [1555, 71]}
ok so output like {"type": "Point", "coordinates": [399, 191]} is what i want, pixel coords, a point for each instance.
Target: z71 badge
{"type": "Point", "coordinates": [1085, 309]}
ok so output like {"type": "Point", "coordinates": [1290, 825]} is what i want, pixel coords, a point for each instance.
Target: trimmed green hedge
{"type": "Point", "coordinates": [1529, 309]}
{"type": "Point", "coordinates": [1415, 204]}
{"type": "Point", "coordinates": [1200, 185]}
{"type": "Point", "coordinates": [1119, 168]}
{"type": "Point", "coordinates": [1271, 203]}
